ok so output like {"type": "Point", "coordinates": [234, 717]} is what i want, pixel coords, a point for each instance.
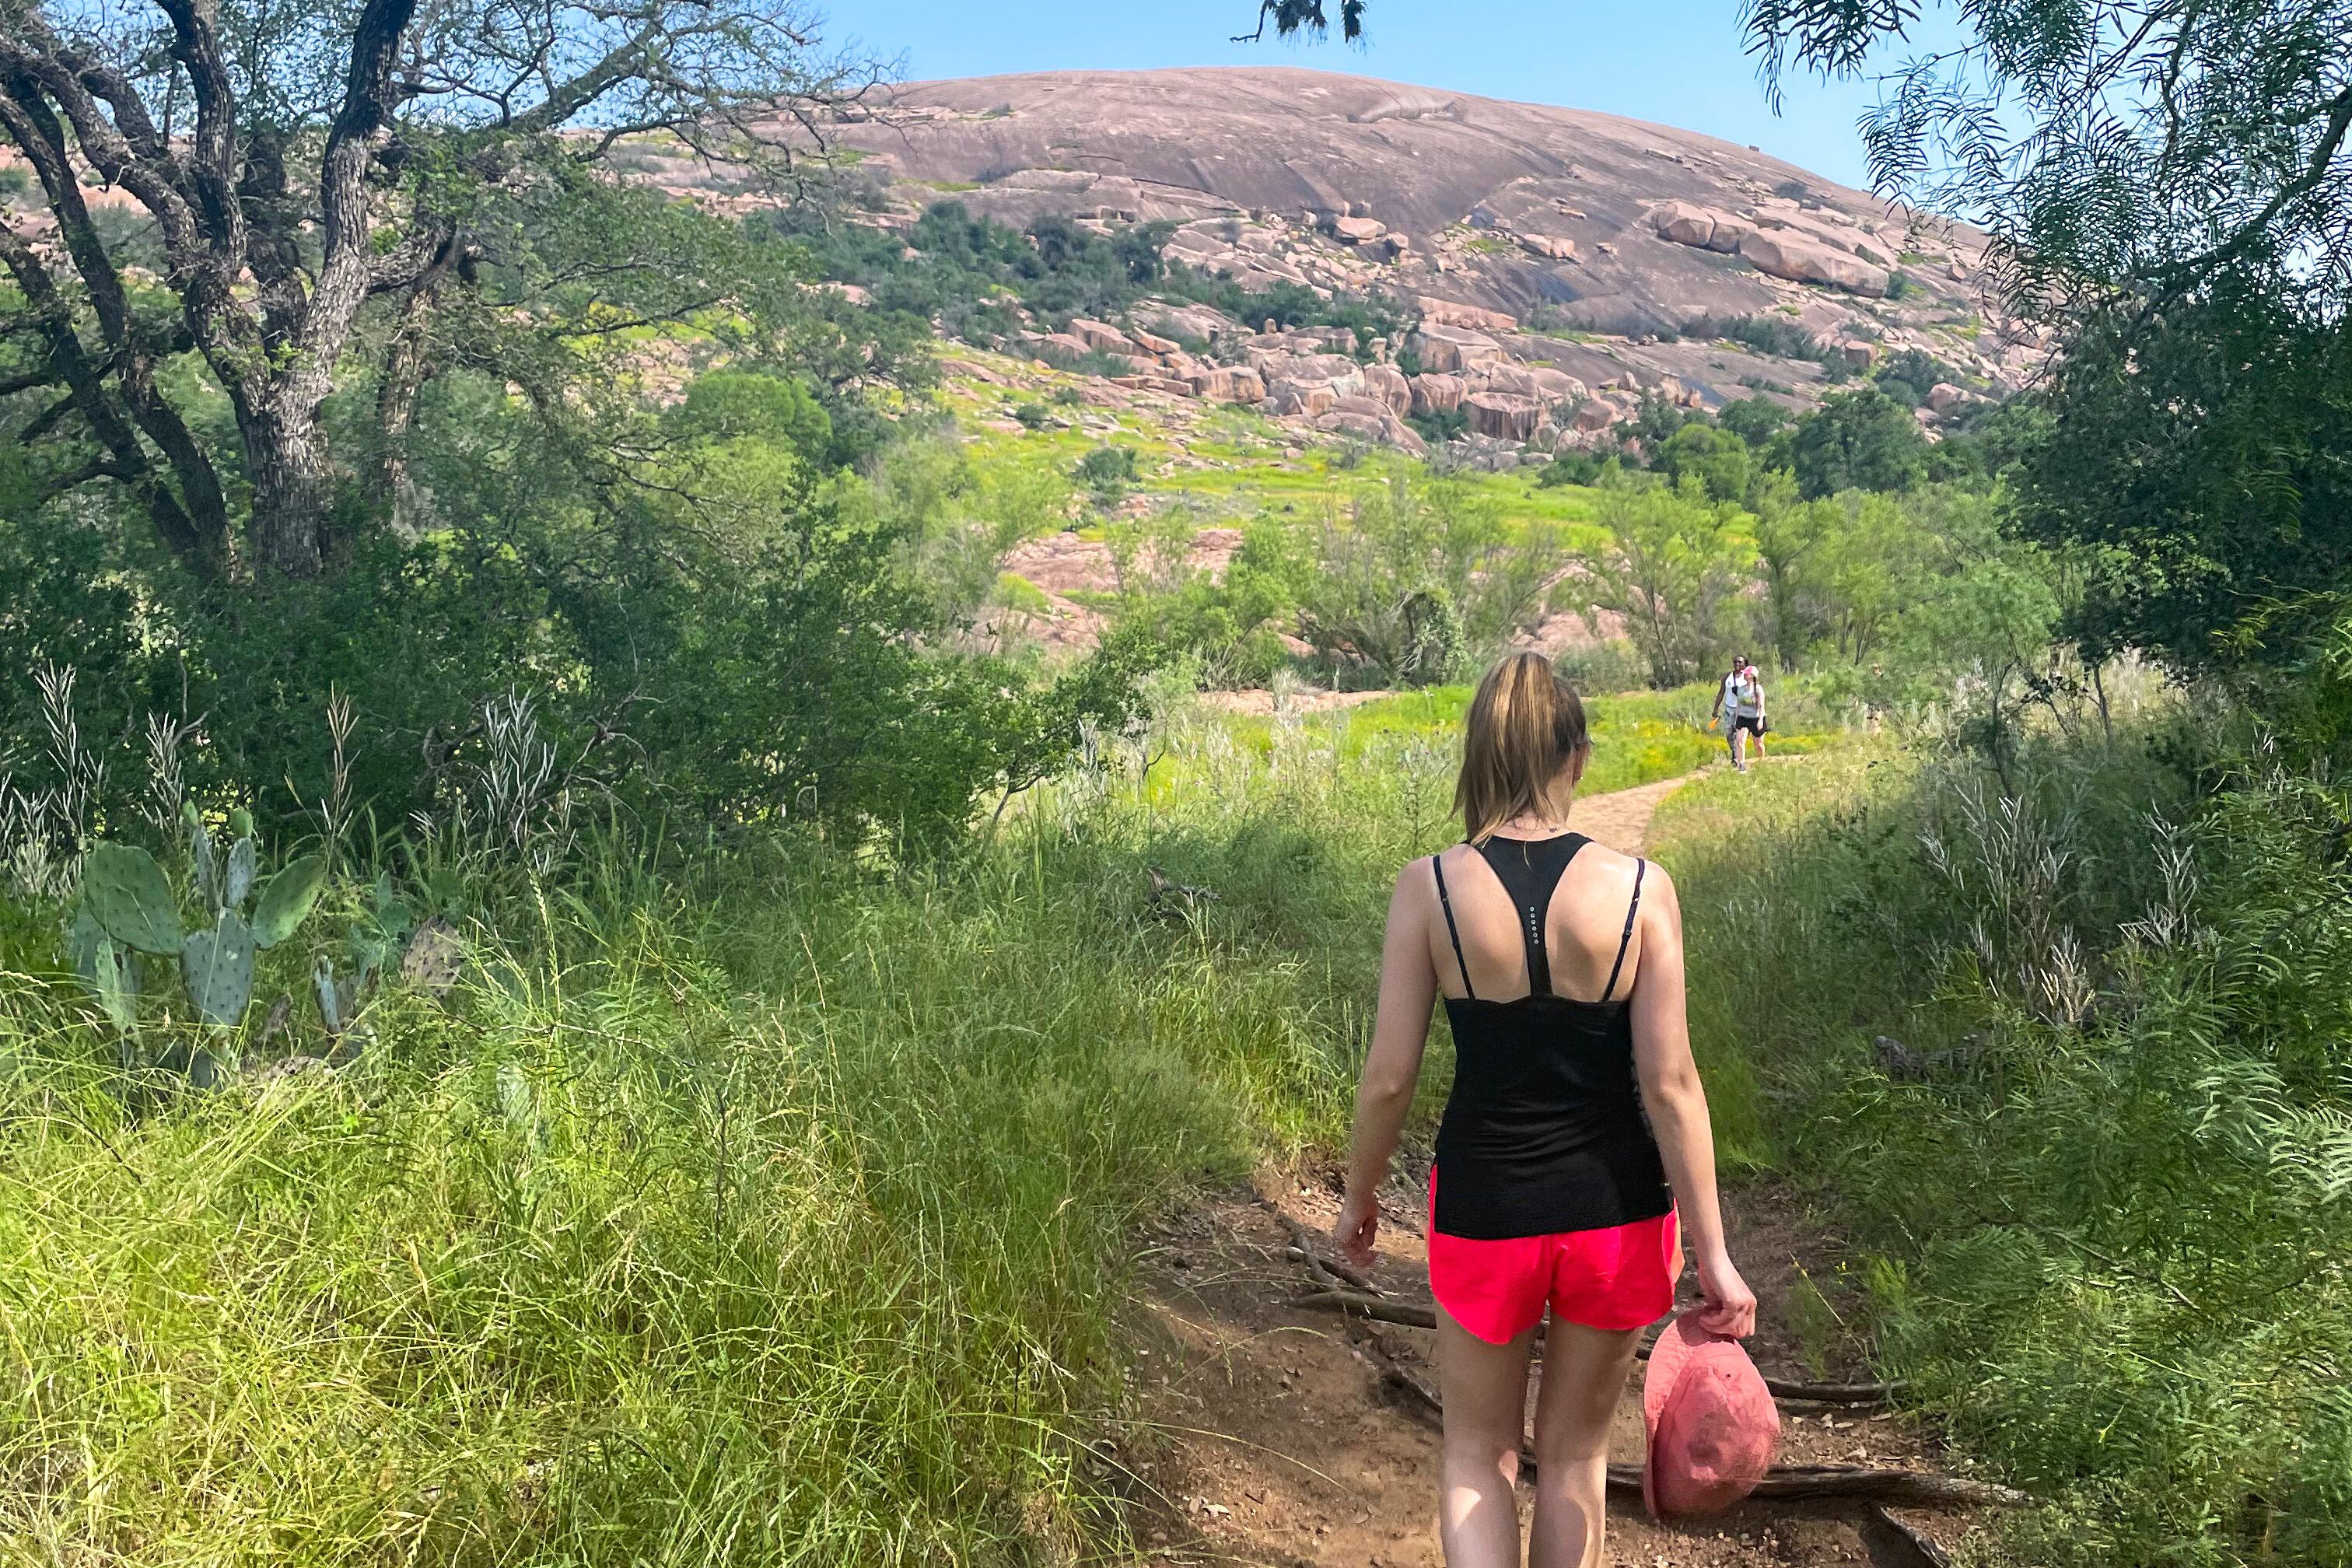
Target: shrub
{"type": "Point", "coordinates": [1862, 440]}
{"type": "Point", "coordinates": [1781, 336]}
{"type": "Point", "coordinates": [1107, 471]}
{"type": "Point", "coordinates": [2101, 1144]}
{"type": "Point", "coordinates": [1439, 425]}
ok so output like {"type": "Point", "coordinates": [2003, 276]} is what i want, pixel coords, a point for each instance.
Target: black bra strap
{"type": "Point", "coordinates": [1447, 905]}
{"type": "Point", "coordinates": [1630, 910]}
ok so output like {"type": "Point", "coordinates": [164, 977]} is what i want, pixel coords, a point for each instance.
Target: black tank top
{"type": "Point", "coordinates": [1544, 1132]}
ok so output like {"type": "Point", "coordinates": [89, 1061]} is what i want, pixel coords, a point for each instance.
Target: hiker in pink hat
{"type": "Point", "coordinates": [1575, 1155]}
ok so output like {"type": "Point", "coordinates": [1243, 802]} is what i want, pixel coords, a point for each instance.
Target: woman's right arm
{"type": "Point", "coordinates": [1393, 1067]}
{"type": "Point", "coordinates": [1677, 1102]}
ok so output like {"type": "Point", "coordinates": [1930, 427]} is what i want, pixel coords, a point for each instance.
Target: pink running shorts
{"type": "Point", "coordinates": [1616, 1278]}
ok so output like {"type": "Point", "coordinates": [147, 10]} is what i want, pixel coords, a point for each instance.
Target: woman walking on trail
{"type": "Point", "coordinates": [1576, 1143]}
{"type": "Point", "coordinates": [1739, 703]}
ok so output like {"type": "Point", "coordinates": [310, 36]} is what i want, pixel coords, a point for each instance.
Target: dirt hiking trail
{"type": "Point", "coordinates": [1275, 1433]}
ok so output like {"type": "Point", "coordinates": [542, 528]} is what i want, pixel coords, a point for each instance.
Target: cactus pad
{"type": "Point", "coordinates": [237, 878]}
{"type": "Point", "coordinates": [218, 964]}
{"type": "Point", "coordinates": [286, 900]}
{"type": "Point", "coordinates": [104, 967]}
{"type": "Point", "coordinates": [126, 892]}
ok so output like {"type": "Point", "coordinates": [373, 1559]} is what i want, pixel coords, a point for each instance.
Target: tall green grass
{"type": "Point", "coordinates": [776, 1207]}
{"type": "Point", "coordinates": [2105, 1172]}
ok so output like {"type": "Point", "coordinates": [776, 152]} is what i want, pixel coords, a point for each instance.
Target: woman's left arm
{"type": "Point", "coordinates": [1676, 1104]}
{"type": "Point", "coordinates": [1392, 1068]}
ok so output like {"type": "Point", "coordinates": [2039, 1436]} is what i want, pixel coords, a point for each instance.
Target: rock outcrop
{"type": "Point", "coordinates": [1492, 226]}
{"type": "Point", "coordinates": [1783, 253]}
{"type": "Point", "coordinates": [1471, 205]}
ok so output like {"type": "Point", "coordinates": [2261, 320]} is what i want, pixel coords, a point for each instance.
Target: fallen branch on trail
{"type": "Point", "coordinates": [1327, 1270]}
{"type": "Point", "coordinates": [1922, 1488]}
{"type": "Point", "coordinates": [1417, 1317]}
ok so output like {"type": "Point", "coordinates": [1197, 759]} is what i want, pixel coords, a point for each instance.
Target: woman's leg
{"type": "Point", "coordinates": [1485, 1390]}
{"type": "Point", "coordinates": [1583, 1375]}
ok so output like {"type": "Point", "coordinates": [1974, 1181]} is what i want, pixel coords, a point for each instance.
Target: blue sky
{"type": "Point", "coordinates": [1677, 62]}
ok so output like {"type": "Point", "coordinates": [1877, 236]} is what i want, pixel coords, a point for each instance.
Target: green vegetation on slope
{"type": "Point", "coordinates": [2062, 1043]}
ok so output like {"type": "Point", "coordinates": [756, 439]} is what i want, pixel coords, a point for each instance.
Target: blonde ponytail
{"type": "Point", "coordinates": [1526, 729]}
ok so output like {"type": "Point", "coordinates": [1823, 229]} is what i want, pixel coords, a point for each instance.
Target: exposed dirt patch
{"type": "Point", "coordinates": [1620, 818]}
{"type": "Point", "coordinates": [1279, 1441]}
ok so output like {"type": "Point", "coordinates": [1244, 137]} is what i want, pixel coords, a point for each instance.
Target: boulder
{"type": "Point", "coordinates": [1307, 398]}
{"type": "Point", "coordinates": [1555, 388]}
{"type": "Point", "coordinates": [1307, 367]}
{"type": "Point", "coordinates": [1728, 232]}
{"type": "Point", "coordinates": [1595, 415]}
{"type": "Point", "coordinates": [1684, 223]}
{"type": "Point", "coordinates": [1229, 384]}
{"type": "Point", "coordinates": [1501, 375]}
{"type": "Point", "coordinates": [1449, 313]}
{"type": "Point", "coordinates": [1444, 348]}
{"type": "Point", "coordinates": [1101, 335]}
{"type": "Point", "coordinates": [1506, 415]}
{"type": "Point", "coordinates": [1549, 245]}
{"type": "Point", "coordinates": [1389, 385]}
{"type": "Point", "coordinates": [1063, 348]}
{"type": "Point", "coordinates": [1943, 397]}
{"type": "Point", "coordinates": [1356, 230]}
{"type": "Point", "coordinates": [1706, 228]}
{"type": "Point", "coordinates": [1155, 344]}
{"type": "Point", "coordinates": [1370, 421]}
{"type": "Point", "coordinates": [1437, 393]}
{"type": "Point", "coordinates": [1784, 254]}
{"type": "Point", "coordinates": [1859, 355]}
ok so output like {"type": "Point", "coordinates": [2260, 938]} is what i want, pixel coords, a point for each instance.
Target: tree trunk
{"type": "Point", "coordinates": [285, 459]}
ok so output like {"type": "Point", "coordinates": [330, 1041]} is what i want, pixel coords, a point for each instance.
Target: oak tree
{"type": "Point", "coordinates": [321, 185]}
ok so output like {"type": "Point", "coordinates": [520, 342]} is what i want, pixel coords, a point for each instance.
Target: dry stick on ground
{"type": "Point", "coordinates": [1326, 1270]}
{"type": "Point", "coordinates": [1792, 1483]}
{"type": "Point", "coordinates": [1416, 1317]}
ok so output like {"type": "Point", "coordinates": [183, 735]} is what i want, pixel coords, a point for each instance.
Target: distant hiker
{"type": "Point", "coordinates": [1739, 703]}
{"type": "Point", "coordinates": [1576, 1123]}
{"type": "Point", "coordinates": [1723, 698]}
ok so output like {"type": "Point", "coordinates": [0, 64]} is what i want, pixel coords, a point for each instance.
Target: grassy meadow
{"type": "Point", "coordinates": [773, 1206]}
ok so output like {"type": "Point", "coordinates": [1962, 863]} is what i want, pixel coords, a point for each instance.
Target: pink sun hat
{"type": "Point", "coordinates": [1711, 1422]}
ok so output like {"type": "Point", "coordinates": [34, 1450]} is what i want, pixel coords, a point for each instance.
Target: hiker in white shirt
{"type": "Point", "coordinates": [1739, 702]}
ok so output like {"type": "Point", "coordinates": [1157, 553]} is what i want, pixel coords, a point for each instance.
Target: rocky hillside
{"type": "Point", "coordinates": [1551, 254]}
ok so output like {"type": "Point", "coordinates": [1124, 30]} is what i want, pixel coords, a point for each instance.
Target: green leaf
{"type": "Point", "coordinates": [131, 899]}
{"type": "Point", "coordinates": [286, 900]}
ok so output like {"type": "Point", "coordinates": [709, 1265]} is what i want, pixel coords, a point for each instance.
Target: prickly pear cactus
{"type": "Point", "coordinates": [106, 967]}
{"type": "Point", "coordinates": [126, 892]}
{"type": "Point", "coordinates": [218, 967]}
{"type": "Point", "coordinates": [203, 858]}
{"type": "Point", "coordinates": [237, 877]}
{"type": "Point", "coordinates": [286, 900]}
